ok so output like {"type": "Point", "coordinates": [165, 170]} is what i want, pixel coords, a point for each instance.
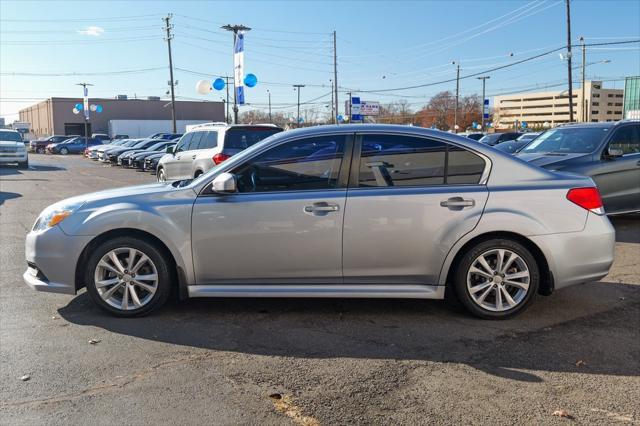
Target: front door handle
{"type": "Point", "coordinates": [193, 157]}
{"type": "Point", "coordinates": [457, 203]}
{"type": "Point", "coordinates": [321, 208]}
{"type": "Point", "coordinates": [178, 157]}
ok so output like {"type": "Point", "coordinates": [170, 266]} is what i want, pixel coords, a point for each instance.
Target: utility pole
{"type": "Point", "coordinates": [235, 29]}
{"type": "Point", "coordinates": [168, 28]}
{"type": "Point", "coordinates": [270, 119]}
{"type": "Point", "coordinates": [569, 60]}
{"type": "Point", "coordinates": [350, 105]}
{"type": "Point", "coordinates": [333, 110]}
{"type": "Point", "coordinates": [483, 78]}
{"type": "Point", "coordinates": [298, 87]}
{"type": "Point", "coordinates": [335, 77]}
{"type": "Point", "coordinates": [584, 100]}
{"type": "Point", "coordinates": [455, 114]}
{"type": "Point", "coordinates": [85, 100]}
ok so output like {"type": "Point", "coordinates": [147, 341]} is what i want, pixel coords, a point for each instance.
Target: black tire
{"type": "Point", "coordinates": [64, 151]}
{"type": "Point", "coordinates": [161, 175]}
{"type": "Point", "coordinates": [197, 173]}
{"type": "Point", "coordinates": [23, 165]}
{"type": "Point", "coordinates": [462, 270]}
{"type": "Point", "coordinates": [40, 150]}
{"type": "Point", "coordinates": [159, 259]}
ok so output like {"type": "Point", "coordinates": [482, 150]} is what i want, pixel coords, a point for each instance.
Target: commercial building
{"type": "Point", "coordinates": [55, 115]}
{"type": "Point", "coordinates": [548, 109]}
{"type": "Point", "coordinates": [631, 107]}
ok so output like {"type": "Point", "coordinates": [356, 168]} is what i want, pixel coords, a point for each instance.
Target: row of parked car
{"type": "Point", "coordinates": [175, 157]}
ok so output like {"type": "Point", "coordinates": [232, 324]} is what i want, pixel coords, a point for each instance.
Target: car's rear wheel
{"type": "Point", "coordinates": [64, 151]}
{"type": "Point", "coordinates": [197, 174]}
{"type": "Point", "coordinates": [128, 277]}
{"type": "Point", "coordinates": [40, 150]}
{"type": "Point", "coordinates": [162, 176]}
{"type": "Point", "coordinates": [497, 279]}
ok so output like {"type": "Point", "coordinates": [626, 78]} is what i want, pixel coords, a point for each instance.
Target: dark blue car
{"type": "Point", "coordinates": [75, 145]}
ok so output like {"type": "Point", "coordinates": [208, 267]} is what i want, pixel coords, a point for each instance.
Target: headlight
{"type": "Point", "coordinates": [53, 215]}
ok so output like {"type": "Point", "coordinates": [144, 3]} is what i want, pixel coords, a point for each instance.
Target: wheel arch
{"type": "Point", "coordinates": [178, 273]}
{"type": "Point", "coordinates": [546, 276]}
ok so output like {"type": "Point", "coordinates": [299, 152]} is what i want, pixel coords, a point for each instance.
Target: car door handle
{"type": "Point", "coordinates": [178, 157]}
{"type": "Point", "coordinates": [321, 208]}
{"type": "Point", "coordinates": [457, 203]}
{"type": "Point", "coordinates": [193, 157]}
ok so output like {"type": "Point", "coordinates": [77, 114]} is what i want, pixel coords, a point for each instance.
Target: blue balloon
{"type": "Point", "coordinates": [250, 80]}
{"type": "Point", "coordinates": [78, 107]}
{"type": "Point", "coordinates": [98, 108]}
{"type": "Point", "coordinates": [340, 118]}
{"type": "Point", "coordinates": [218, 84]}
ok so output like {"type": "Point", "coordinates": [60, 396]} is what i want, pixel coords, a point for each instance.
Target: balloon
{"type": "Point", "coordinates": [78, 107]}
{"type": "Point", "coordinates": [218, 84]}
{"type": "Point", "coordinates": [340, 118]}
{"type": "Point", "coordinates": [92, 107]}
{"type": "Point", "coordinates": [250, 80]}
{"type": "Point", "coordinates": [75, 111]}
{"type": "Point", "coordinates": [98, 109]}
{"type": "Point", "coordinates": [203, 87]}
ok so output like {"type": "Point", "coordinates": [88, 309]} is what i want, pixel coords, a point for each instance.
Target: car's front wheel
{"type": "Point", "coordinates": [64, 151]}
{"type": "Point", "coordinates": [496, 279]}
{"type": "Point", "coordinates": [128, 276]}
{"type": "Point", "coordinates": [40, 150]}
{"type": "Point", "coordinates": [162, 175]}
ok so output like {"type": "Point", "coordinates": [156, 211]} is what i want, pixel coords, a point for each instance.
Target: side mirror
{"type": "Point", "coordinates": [614, 152]}
{"type": "Point", "coordinates": [169, 150]}
{"type": "Point", "coordinates": [224, 183]}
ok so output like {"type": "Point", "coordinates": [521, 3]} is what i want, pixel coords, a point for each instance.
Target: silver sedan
{"type": "Point", "coordinates": [333, 211]}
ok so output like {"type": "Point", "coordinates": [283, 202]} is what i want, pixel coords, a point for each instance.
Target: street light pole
{"type": "Point", "coordinates": [455, 114]}
{"type": "Point", "coordinates": [483, 78]}
{"type": "Point", "coordinates": [584, 100]}
{"type": "Point", "coordinates": [569, 60]}
{"type": "Point", "coordinates": [235, 29]}
{"type": "Point", "coordinates": [172, 83]}
{"type": "Point", "coordinates": [298, 87]}
{"type": "Point", "coordinates": [85, 95]}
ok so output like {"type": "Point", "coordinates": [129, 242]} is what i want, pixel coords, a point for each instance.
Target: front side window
{"type": "Point", "coordinates": [392, 160]}
{"type": "Point", "coordinates": [627, 139]}
{"type": "Point", "coordinates": [305, 164]}
{"type": "Point", "coordinates": [184, 143]}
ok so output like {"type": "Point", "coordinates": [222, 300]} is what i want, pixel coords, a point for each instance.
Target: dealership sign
{"type": "Point", "coordinates": [357, 108]}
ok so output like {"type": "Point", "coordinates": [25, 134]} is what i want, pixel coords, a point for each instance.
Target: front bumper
{"type": "Point", "coordinates": [13, 157]}
{"type": "Point", "coordinates": [52, 257]}
{"type": "Point", "coordinates": [579, 257]}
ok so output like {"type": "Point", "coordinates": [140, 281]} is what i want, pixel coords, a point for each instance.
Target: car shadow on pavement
{"type": "Point", "coordinates": [627, 229]}
{"type": "Point", "coordinates": [4, 196]}
{"type": "Point", "coordinates": [588, 329]}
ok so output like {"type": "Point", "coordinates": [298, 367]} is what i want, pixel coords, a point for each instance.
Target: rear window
{"type": "Point", "coordinates": [243, 138]}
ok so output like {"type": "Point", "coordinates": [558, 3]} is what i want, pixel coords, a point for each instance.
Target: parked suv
{"type": "Point", "coordinates": [40, 145]}
{"type": "Point", "coordinates": [208, 145]}
{"type": "Point", "coordinates": [12, 149]}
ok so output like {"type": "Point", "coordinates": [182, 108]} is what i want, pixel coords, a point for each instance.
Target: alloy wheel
{"type": "Point", "coordinates": [161, 176]}
{"type": "Point", "coordinates": [498, 280]}
{"type": "Point", "coordinates": [126, 278]}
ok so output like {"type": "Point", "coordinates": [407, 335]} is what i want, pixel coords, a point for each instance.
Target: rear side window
{"type": "Point", "coordinates": [463, 167]}
{"type": "Point", "coordinates": [209, 140]}
{"type": "Point", "coordinates": [242, 138]}
{"type": "Point", "coordinates": [627, 139]}
{"type": "Point", "coordinates": [390, 160]}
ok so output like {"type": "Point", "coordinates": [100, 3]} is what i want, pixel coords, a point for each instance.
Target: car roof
{"type": "Point", "coordinates": [598, 125]}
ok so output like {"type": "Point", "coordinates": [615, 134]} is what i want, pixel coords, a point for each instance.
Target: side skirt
{"type": "Point", "coordinates": [401, 291]}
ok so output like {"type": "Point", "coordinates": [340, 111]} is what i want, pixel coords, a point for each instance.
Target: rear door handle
{"type": "Point", "coordinates": [457, 203]}
{"type": "Point", "coordinates": [193, 157]}
{"type": "Point", "coordinates": [321, 208]}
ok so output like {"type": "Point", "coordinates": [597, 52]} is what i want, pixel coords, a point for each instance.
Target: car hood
{"type": "Point", "coordinates": [119, 194]}
{"type": "Point", "coordinates": [547, 160]}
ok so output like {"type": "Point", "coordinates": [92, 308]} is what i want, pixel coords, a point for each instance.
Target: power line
{"type": "Point", "coordinates": [92, 19]}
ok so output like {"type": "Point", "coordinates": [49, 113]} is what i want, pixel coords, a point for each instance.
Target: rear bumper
{"type": "Point", "coordinates": [52, 256]}
{"type": "Point", "coordinates": [578, 257]}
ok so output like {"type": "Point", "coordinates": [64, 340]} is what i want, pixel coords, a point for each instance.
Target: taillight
{"type": "Point", "coordinates": [219, 158]}
{"type": "Point", "coordinates": [587, 198]}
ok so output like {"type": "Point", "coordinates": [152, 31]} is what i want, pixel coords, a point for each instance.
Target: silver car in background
{"type": "Point", "coordinates": [333, 211]}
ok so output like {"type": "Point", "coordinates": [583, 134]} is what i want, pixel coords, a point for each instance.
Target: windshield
{"type": "Point", "coordinates": [243, 138]}
{"type": "Point", "coordinates": [10, 136]}
{"type": "Point", "coordinates": [490, 138]}
{"type": "Point", "coordinates": [157, 146]}
{"type": "Point", "coordinates": [568, 140]}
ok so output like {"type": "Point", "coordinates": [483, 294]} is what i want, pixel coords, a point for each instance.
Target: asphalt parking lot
{"type": "Point", "coordinates": [278, 361]}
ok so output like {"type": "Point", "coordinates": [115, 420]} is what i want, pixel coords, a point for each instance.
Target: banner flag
{"type": "Point", "coordinates": [86, 104]}
{"type": "Point", "coordinates": [238, 67]}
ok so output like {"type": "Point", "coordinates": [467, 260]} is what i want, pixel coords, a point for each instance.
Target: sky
{"type": "Point", "coordinates": [47, 47]}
